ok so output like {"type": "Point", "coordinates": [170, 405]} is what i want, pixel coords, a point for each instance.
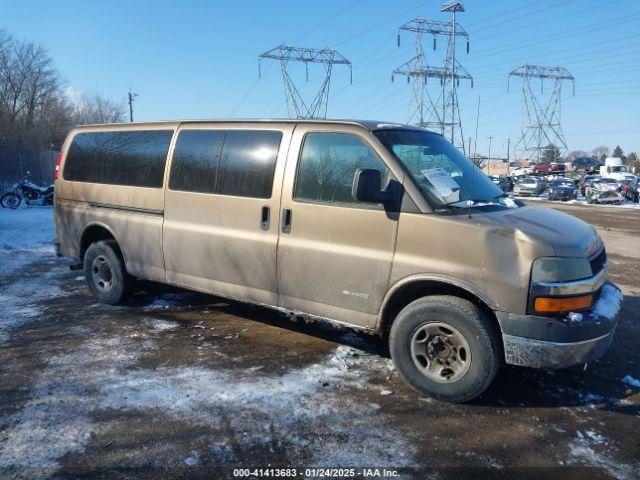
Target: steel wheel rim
{"type": "Point", "coordinates": [440, 352]}
{"type": "Point", "coordinates": [102, 274]}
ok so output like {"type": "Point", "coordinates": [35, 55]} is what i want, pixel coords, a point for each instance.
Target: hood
{"type": "Point", "coordinates": [566, 235]}
{"type": "Point", "coordinates": [606, 186]}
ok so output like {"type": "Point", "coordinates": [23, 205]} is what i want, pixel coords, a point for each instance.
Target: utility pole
{"type": "Point", "coordinates": [489, 156]}
{"type": "Point", "coordinates": [132, 97]}
{"type": "Point", "coordinates": [508, 157]}
{"type": "Point", "coordinates": [296, 106]}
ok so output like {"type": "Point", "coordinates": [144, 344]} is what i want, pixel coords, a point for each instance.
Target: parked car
{"type": "Point", "coordinates": [563, 189]}
{"type": "Point", "coordinates": [548, 167]}
{"type": "Point", "coordinates": [603, 190]}
{"type": "Point", "coordinates": [542, 167]}
{"type": "Point", "coordinates": [522, 171]}
{"type": "Point", "coordinates": [633, 192]}
{"type": "Point", "coordinates": [375, 226]}
{"type": "Point", "coordinates": [628, 186]}
{"type": "Point", "coordinates": [586, 181]}
{"type": "Point", "coordinates": [529, 186]}
{"type": "Point", "coordinates": [588, 164]}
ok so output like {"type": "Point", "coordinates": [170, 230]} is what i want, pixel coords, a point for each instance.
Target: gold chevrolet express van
{"type": "Point", "coordinates": [381, 227]}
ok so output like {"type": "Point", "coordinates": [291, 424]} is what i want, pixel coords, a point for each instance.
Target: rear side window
{"type": "Point", "coordinates": [235, 162]}
{"type": "Point", "coordinates": [248, 162]}
{"type": "Point", "coordinates": [328, 164]}
{"type": "Point", "coordinates": [195, 161]}
{"type": "Point", "coordinates": [134, 158]}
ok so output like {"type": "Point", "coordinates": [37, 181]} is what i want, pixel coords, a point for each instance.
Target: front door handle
{"type": "Point", "coordinates": [286, 220]}
{"type": "Point", "coordinates": [264, 218]}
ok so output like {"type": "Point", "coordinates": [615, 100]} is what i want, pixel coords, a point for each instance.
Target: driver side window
{"type": "Point", "coordinates": [327, 165]}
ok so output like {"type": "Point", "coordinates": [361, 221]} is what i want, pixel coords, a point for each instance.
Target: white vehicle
{"type": "Point", "coordinates": [613, 168]}
{"type": "Point", "coordinates": [522, 171]}
{"type": "Point", "coordinates": [603, 190]}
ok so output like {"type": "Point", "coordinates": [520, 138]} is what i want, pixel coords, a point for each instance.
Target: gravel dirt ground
{"type": "Point", "coordinates": [177, 384]}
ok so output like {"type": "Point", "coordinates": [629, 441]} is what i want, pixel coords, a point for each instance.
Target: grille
{"type": "Point", "coordinates": [598, 262]}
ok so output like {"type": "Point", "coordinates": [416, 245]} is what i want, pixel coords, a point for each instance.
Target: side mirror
{"type": "Point", "coordinates": [366, 186]}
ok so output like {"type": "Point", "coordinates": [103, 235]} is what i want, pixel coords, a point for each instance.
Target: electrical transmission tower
{"type": "Point", "coordinates": [438, 109]}
{"type": "Point", "coordinates": [296, 106]}
{"type": "Point", "coordinates": [541, 121]}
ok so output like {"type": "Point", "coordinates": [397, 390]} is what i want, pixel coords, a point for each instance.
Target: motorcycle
{"type": "Point", "coordinates": [28, 190]}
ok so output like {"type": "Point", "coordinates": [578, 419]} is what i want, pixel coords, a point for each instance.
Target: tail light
{"type": "Point", "coordinates": [56, 172]}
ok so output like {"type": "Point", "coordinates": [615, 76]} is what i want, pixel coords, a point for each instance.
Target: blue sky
{"type": "Point", "coordinates": [198, 59]}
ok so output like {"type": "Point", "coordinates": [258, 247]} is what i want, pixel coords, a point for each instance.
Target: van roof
{"type": "Point", "coordinates": [368, 124]}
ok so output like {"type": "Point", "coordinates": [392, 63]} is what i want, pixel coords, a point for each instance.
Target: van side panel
{"type": "Point", "coordinates": [133, 215]}
{"type": "Point", "coordinates": [217, 243]}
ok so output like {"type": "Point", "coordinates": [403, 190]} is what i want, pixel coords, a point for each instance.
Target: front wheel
{"type": "Point", "coordinates": [105, 272]}
{"type": "Point", "coordinates": [10, 200]}
{"type": "Point", "coordinates": [445, 346]}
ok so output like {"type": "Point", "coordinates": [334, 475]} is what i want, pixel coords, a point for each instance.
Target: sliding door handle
{"type": "Point", "coordinates": [264, 218]}
{"type": "Point", "coordinates": [286, 220]}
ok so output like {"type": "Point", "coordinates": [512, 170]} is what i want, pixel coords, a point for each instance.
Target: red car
{"type": "Point", "coordinates": [548, 167]}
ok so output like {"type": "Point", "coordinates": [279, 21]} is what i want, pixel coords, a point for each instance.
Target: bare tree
{"type": "Point", "coordinates": [34, 109]}
{"type": "Point", "coordinates": [600, 152]}
{"type": "Point", "coordinates": [30, 87]}
{"type": "Point", "coordinates": [576, 154]}
{"type": "Point", "coordinates": [94, 108]}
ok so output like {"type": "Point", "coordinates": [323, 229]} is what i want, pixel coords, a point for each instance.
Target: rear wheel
{"type": "Point", "coordinates": [105, 272]}
{"type": "Point", "coordinates": [10, 200]}
{"type": "Point", "coordinates": [444, 346]}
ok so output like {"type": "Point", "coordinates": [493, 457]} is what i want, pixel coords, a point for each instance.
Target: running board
{"type": "Point", "coordinates": [76, 266]}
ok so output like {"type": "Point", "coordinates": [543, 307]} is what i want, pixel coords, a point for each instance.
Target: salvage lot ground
{"type": "Point", "coordinates": [181, 384]}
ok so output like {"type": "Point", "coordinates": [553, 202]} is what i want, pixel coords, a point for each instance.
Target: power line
{"type": "Point", "coordinates": [381, 24]}
{"type": "Point", "coordinates": [328, 20]}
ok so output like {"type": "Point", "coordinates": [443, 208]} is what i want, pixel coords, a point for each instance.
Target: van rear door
{"type": "Point", "coordinates": [221, 208]}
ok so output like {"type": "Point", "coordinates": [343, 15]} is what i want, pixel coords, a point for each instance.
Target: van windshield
{"type": "Point", "coordinates": [445, 176]}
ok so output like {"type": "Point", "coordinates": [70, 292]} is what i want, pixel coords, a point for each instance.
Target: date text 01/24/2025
{"type": "Point", "coordinates": [310, 473]}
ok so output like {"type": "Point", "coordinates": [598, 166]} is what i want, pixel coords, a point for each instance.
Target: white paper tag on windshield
{"type": "Point", "coordinates": [441, 181]}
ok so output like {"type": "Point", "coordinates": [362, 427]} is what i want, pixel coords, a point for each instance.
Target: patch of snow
{"type": "Point", "coordinates": [592, 398]}
{"type": "Point", "coordinates": [191, 460]}
{"type": "Point", "coordinates": [596, 437]}
{"type": "Point", "coordinates": [159, 325]}
{"type": "Point", "coordinates": [488, 460]}
{"type": "Point", "coordinates": [100, 374]}
{"type": "Point", "coordinates": [26, 237]}
{"type": "Point", "coordinates": [629, 380]}
{"type": "Point", "coordinates": [609, 302]}
{"type": "Point", "coordinates": [583, 450]}
{"type": "Point", "coordinates": [172, 300]}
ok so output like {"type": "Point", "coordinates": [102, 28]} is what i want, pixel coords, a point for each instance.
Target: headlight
{"type": "Point", "coordinates": [558, 269]}
{"type": "Point", "coordinates": [555, 286]}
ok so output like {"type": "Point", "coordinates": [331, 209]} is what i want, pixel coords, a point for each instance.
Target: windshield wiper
{"type": "Point", "coordinates": [474, 201]}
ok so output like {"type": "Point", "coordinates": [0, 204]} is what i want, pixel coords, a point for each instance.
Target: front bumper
{"type": "Point", "coordinates": [607, 197]}
{"type": "Point", "coordinates": [559, 342]}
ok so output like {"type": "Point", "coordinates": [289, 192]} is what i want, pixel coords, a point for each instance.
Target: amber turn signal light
{"type": "Point", "coordinates": [557, 305]}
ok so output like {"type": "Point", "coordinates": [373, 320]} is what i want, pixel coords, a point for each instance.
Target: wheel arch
{"type": "Point", "coordinates": [94, 232]}
{"type": "Point", "coordinates": [411, 288]}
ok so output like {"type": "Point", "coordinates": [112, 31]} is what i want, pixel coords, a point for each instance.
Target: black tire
{"type": "Point", "coordinates": [484, 355]}
{"type": "Point", "coordinates": [10, 200]}
{"type": "Point", "coordinates": [105, 272]}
